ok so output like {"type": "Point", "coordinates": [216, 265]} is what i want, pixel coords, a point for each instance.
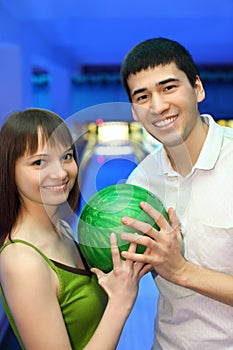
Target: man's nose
{"type": "Point", "coordinates": [158, 104]}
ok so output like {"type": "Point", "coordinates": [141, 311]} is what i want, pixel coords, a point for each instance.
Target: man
{"type": "Point", "coordinates": [191, 172]}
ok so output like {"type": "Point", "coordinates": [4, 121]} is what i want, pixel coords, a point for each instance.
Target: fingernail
{"type": "Point", "coordinates": [125, 220]}
{"type": "Point", "coordinates": [124, 235]}
{"type": "Point", "coordinates": [113, 237]}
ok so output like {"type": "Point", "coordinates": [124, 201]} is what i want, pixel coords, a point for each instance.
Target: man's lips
{"type": "Point", "coordinates": [165, 121]}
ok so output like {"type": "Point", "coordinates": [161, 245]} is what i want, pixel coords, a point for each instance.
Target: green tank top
{"type": "Point", "coordinates": [81, 299]}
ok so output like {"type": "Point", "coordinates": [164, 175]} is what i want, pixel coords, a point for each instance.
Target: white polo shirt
{"type": "Point", "coordinates": [203, 201]}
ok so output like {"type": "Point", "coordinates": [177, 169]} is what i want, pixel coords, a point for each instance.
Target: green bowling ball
{"type": "Point", "coordinates": [102, 215]}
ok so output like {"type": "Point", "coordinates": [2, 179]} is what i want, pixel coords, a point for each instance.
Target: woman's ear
{"type": "Point", "coordinates": [200, 92]}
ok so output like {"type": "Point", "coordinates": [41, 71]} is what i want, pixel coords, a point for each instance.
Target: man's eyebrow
{"type": "Point", "coordinates": [162, 82]}
{"type": "Point", "coordinates": [168, 80]}
{"type": "Point", "coordinates": [138, 91]}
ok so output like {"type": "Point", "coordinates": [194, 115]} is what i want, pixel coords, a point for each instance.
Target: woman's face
{"type": "Point", "coordinates": [47, 176]}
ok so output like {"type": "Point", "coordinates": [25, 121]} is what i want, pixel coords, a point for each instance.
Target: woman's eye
{"type": "Point", "coordinates": [38, 162]}
{"type": "Point", "coordinates": [68, 156]}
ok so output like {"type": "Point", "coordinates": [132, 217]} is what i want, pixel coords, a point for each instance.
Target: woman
{"type": "Point", "coordinates": [52, 299]}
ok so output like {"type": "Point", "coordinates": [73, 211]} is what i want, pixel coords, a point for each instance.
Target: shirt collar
{"type": "Point", "coordinates": [212, 145]}
{"type": "Point", "coordinates": [209, 153]}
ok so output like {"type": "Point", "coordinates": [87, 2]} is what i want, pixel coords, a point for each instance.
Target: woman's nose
{"type": "Point", "coordinates": [58, 170]}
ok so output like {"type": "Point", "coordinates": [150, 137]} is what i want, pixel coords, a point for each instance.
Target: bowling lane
{"type": "Point", "coordinates": [113, 150]}
{"type": "Point", "coordinates": [108, 159]}
{"type": "Point", "coordinates": [108, 165]}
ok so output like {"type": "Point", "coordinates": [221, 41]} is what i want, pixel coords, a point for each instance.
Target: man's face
{"type": "Point", "coordinates": [165, 103]}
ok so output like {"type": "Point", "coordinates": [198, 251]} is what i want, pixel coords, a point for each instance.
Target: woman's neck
{"type": "Point", "coordinates": [37, 223]}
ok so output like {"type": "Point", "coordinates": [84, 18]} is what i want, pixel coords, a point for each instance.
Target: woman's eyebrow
{"type": "Point", "coordinates": [38, 155]}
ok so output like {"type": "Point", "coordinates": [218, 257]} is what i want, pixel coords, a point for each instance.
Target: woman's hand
{"type": "Point", "coordinates": [121, 285]}
{"type": "Point", "coordinates": [122, 282]}
{"type": "Point", "coordinates": [164, 247]}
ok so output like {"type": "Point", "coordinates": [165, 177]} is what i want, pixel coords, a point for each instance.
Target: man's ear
{"type": "Point", "coordinates": [200, 92]}
{"type": "Point", "coordinates": [135, 117]}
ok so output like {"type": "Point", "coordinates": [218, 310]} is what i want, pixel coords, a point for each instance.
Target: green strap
{"type": "Point", "coordinates": [4, 302]}
{"type": "Point", "coordinates": [32, 246]}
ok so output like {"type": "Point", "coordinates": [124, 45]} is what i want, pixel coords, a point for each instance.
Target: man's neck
{"type": "Point", "coordinates": [184, 156]}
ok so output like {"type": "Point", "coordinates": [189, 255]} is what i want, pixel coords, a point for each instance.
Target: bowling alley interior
{"type": "Point", "coordinates": [65, 56]}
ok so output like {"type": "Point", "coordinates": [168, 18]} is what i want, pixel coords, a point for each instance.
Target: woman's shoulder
{"type": "Point", "coordinates": [21, 256]}
{"type": "Point", "coordinates": [22, 267]}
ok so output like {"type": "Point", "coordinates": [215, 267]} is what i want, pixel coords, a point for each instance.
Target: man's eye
{"type": "Point", "coordinates": [169, 87]}
{"type": "Point", "coordinates": [142, 97]}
